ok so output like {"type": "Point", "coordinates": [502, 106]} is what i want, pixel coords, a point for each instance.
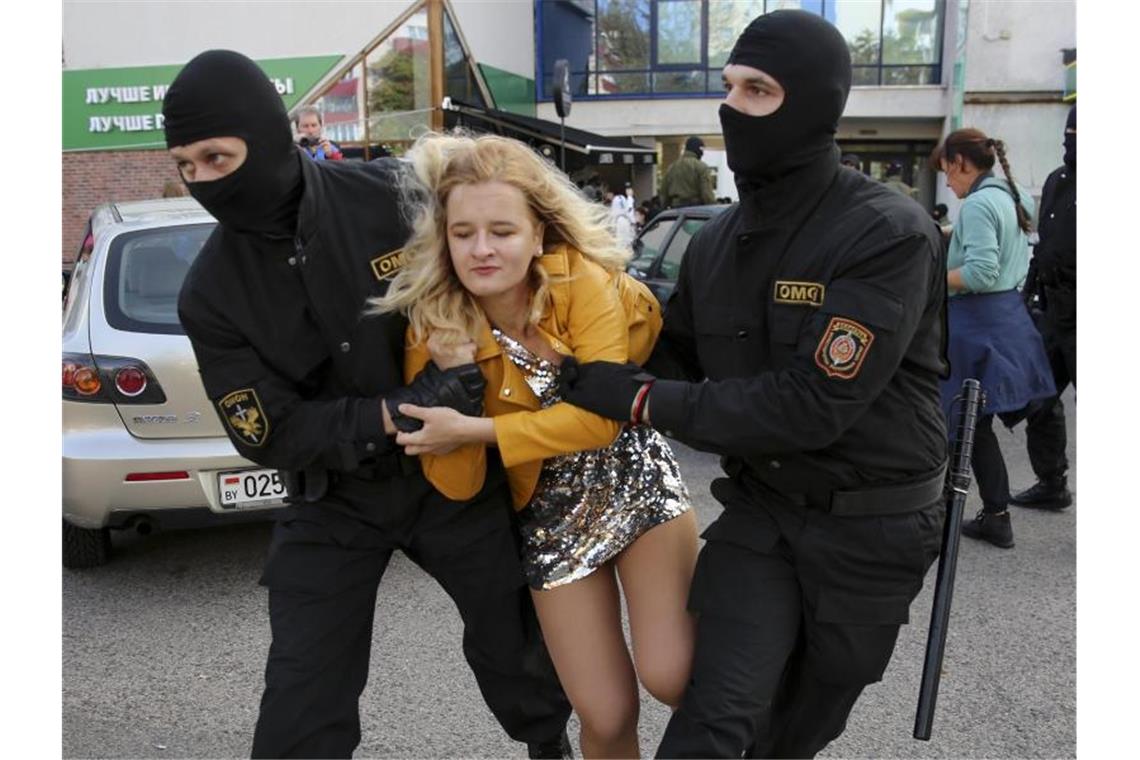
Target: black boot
{"type": "Point", "coordinates": [1051, 494]}
{"type": "Point", "coordinates": [556, 749]}
{"type": "Point", "coordinates": [990, 526]}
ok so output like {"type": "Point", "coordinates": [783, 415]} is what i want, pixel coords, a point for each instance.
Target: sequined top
{"type": "Point", "coordinates": [590, 505]}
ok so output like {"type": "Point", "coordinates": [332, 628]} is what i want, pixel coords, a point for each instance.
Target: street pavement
{"type": "Point", "coordinates": [163, 650]}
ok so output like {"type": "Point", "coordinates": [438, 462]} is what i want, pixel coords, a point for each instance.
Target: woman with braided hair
{"type": "Point", "coordinates": [991, 336]}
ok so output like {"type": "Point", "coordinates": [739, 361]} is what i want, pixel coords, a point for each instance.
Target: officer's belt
{"type": "Point", "coordinates": [865, 502]}
{"type": "Point", "coordinates": [312, 483]}
{"type": "Point", "coordinates": [388, 465]}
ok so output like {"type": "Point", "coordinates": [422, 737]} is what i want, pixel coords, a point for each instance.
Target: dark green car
{"type": "Point", "coordinates": [659, 248]}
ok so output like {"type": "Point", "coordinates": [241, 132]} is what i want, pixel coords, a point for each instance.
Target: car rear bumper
{"type": "Point", "coordinates": [96, 494]}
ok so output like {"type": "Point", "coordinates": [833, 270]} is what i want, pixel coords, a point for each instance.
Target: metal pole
{"type": "Point", "coordinates": [562, 135]}
{"type": "Point", "coordinates": [435, 62]}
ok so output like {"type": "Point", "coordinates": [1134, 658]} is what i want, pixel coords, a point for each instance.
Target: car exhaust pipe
{"type": "Point", "coordinates": [144, 526]}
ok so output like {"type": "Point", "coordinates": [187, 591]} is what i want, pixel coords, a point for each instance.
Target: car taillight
{"type": "Point", "coordinates": [87, 382]}
{"type": "Point", "coordinates": [109, 380]}
{"type": "Point", "coordinates": [130, 381]}
{"type": "Point", "coordinates": [69, 374]}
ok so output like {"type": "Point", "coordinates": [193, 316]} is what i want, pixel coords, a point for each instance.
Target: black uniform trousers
{"type": "Point", "coordinates": [1045, 435]}
{"type": "Point", "coordinates": [325, 563]}
{"type": "Point", "coordinates": [797, 611]}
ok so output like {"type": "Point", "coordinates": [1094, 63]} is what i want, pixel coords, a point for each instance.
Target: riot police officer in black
{"type": "Point", "coordinates": [804, 343]}
{"type": "Point", "coordinates": [1052, 283]}
{"type": "Point", "coordinates": [303, 382]}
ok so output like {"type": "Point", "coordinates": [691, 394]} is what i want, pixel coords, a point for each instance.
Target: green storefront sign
{"type": "Point", "coordinates": [121, 109]}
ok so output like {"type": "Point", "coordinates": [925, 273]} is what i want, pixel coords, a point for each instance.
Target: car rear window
{"type": "Point", "coordinates": [144, 273]}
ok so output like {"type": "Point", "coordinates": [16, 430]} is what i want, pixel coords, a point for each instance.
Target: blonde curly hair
{"type": "Point", "coordinates": [426, 288]}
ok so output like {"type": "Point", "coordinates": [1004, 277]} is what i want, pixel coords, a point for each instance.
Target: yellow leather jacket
{"type": "Point", "coordinates": [594, 315]}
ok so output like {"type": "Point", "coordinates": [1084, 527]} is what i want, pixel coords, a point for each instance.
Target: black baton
{"type": "Point", "coordinates": [958, 484]}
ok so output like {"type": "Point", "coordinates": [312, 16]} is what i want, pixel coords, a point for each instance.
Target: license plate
{"type": "Point", "coordinates": [251, 488]}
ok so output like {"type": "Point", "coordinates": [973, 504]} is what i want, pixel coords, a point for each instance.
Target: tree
{"type": "Point", "coordinates": [392, 83]}
{"type": "Point", "coordinates": [676, 23]}
{"type": "Point", "coordinates": [397, 83]}
{"type": "Point", "coordinates": [864, 48]}
{"type": "Point", "coordinates": [623, 35]}
{"type": "Point", "coordinates": [910, 41]}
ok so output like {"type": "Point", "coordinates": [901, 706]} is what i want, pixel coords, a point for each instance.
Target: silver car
{"type": "Point", "coordinates": [142, 445]}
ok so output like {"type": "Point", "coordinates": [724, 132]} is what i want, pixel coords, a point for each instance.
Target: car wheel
{"type": "Point", "coordinates": [85, 547]}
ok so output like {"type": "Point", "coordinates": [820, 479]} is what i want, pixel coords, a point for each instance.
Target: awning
{"type": "Point", "coordinates": [582, 148]}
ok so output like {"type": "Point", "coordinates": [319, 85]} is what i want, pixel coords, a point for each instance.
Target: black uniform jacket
{"type": "Point", "coordinates": [815, 313]}
{"type": "Point", "coordinates": [1056, 253]}
{"type": "Point", "coordinates": [294, 368]}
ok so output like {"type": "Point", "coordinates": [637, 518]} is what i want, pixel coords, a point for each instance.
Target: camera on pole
{"type": "Point", "coordinates": [562, 101]}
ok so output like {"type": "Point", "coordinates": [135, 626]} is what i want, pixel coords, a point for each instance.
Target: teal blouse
{"type": "Point", "coordinates": [987, 245]}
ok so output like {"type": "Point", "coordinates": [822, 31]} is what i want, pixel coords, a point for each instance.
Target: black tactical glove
{"type": "Point", "coordinates": [460, 388]}
{"type": "Point", "coordinates": [604, 388]}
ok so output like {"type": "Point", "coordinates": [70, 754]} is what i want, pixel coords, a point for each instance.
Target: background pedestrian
{"type": "Point", "coordinates": [688, 182]}
{"type": "Point", "coordinates": [310, 126]}
{"type": "Point", "coordinates": [893, 179]}
{"type": "Point", "coordinates": [991, 336]}
{"type": "Point", "coordinates": [622, 216]}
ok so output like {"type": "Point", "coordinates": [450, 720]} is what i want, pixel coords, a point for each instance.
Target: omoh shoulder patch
{"type": "Point", "coordinates": [386, 265]}
{"type": "Point", "coordinates": [791, 292]}
{"type": "Point", "coordinates": [245, 416]}
{"type": "Point", "coordinates": [843, 348]}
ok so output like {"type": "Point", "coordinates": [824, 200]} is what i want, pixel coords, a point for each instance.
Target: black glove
{"type": "Point", "coordinates": [460, 388]}
{"type": "Point", "coordinates": [605, 388]}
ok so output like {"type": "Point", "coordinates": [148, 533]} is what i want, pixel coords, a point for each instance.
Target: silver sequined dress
{"type": "Point", "coordinates": [590, 505]}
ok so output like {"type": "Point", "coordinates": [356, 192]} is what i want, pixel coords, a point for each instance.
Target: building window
{"type": "Point", "coordinates": [679, 32]}
{"type": "Point", "coordinates": [459, 77]}
{"type": "Point", "coordinates": [727, 19]}
{"type": "Point", "coordinates": [802, 5]}
{"type": "Point", "coordinates": [912, 41]}
{"type": "Point", "coordinates": [342, 107]}
{"type": "Point", "coordinates": [861, 23]}
{"type": "Point", "coordinates": [671, 48]}
{"type": "Point", "coordinates": [623, 46]}
{"type": "Point", "coordinates": [382, 99]}
{"type": "Point", "coordinates": [399, 87]}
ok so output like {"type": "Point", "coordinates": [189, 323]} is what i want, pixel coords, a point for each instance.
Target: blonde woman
{"type": "Point", "coordinates": [508, 265]}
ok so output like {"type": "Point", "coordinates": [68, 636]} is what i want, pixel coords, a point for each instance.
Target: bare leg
{"type": "Point", "coordinates": [581, 622]}
{"type": "Point", "coordinates": [656, 572]}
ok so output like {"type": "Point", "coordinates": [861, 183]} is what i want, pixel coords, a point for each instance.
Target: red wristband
{"type": "Point", "coordinates": [639, 403]}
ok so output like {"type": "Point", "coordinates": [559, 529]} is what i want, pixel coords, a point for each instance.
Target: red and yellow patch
{"type": "Point", "coordinates": [843, 348]}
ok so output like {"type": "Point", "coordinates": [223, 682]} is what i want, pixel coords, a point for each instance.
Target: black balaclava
{"type": "Point", "coordinates": [695, 145]}
{"type": "Point", "coordinates": [809, 58]}
{"type": "Point", "coordinates": [1071, 140]}
{"type": "Point", "coordinates": [221, 93]}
